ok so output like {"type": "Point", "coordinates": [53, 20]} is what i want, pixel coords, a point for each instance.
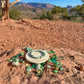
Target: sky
{"type": "Point", "coordinates": [62, 3]}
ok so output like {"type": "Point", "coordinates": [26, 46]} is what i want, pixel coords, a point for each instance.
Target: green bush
{"type": "Point", "coordinates": [54, 13]}
{"type": "Point", "coordinates": [68, 17]}
{"type": "Point", "coordinates": [15, 14]}
{"type": "Point", "coordinates": [47, 15]}
{"type": "Point", "coordinates": [54, 10]}
{"type": "Point", "coordinates": [58, 9]}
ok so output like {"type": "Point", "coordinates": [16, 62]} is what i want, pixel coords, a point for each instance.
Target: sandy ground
{"type": "Point", "coordinates": [67, 38]}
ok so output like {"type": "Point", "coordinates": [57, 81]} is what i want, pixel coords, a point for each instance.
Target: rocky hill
{"type": "Point", "coordinates": [64, 37]}
{"type": "Point", "coordinates": [28, 11]}
{"type": "Point", "coordinates": [35, 5]}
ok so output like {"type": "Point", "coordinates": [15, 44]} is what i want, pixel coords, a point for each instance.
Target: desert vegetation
{"type": "Point", "coordinates": [15, 14]}
{"type": "Point", "coordinates": [75, 14]}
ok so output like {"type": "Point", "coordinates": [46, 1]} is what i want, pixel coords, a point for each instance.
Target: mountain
{"type": "Point", "coordinates": [28, 11]}
{"type": "Point", "coordinates": [36, 5]}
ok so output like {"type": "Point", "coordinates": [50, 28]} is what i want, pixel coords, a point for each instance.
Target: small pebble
{"type": "Point", "coordinates": [28, 72]}
{"type": "Point", "coordinates": [42, 67]}
{"type": "Point", "coordinates": [49, 52]}
{"type": "Point", "coordinates": [81, 67]}
{"type": "Point", "coordinates": [42, 64]}
{"type": "Point", "coordinates": [21, 54]}
{"type": "Point", "coordinates": [52, 51]}
{"type": "Point", "coordinates": [53, 60]}
{"type": "Point", "coordinates": [27, 64]}
{"type": "Point", "coordinates": [60, 64]}
{"type": "Point", "coordinates": [23, 62]}
{"type": "Point", "coordinates": [55, 57]}
{"type": "Point", "coordinates": [56, 63]}
{"type": "Point", "coordinates": [61, 69]}
{"type": "Point", "coordinates": [10, 60]}
{"type": "Point", "coordinates": [29, 68]}
{"type": "Point", "coordinates": [50, 60]}
{"type": "Point", "coordinates": [55, 71]}
{"type": "Point", "coordinates": [48, 66]}
{"type": "Point", "coordinates": [52, 56]}
{"type": "Point", "coordinates": [16, 56]}
{"type": "Point", "coordinates": [33, 66]}
{"type": "Point", "coordinates": [13, 58]}
{"type": "Point", "coordinates": [57, 68]}
{"type": "Point", "coordinates": [28, 49]}
{"type": "Point", "coordinates": [63, 56]}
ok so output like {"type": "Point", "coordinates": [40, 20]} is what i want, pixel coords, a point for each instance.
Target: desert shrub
{"type": "Point", "coordinates": [76, 14]}
{"type": "Point", "coordinates": [58, 9]}
{"type": "Point", "coordinates": [57, 17]}
{"type": "Point", "coordinates": [47, 15]}
{"type": "Point", "coordinates": [68, 17]}
{"type": "Point", "coordinates": [42, 16]}
{"type": "Point", "coordinates": [82, 0]}
{"type": "Point", "coordinates": [54, 10]}
{"type": "Point", "coordinates": [37, 16]}
{"type": "Point", "coordinates": [54, 13]}
{"type": "Point", "coordinates": [14, 14]}
{"type": "Point", "coordinates": [79, 10]}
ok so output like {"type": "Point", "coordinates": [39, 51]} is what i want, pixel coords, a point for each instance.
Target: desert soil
{"type": "Point", "coordinates": [66, 38]}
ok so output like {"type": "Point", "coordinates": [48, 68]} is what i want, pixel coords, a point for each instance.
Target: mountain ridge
{"type": "Point", "coordinates": [36, 5]}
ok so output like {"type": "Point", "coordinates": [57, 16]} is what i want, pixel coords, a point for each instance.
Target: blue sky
{"type": "Point", "coordinates": [62, 3]}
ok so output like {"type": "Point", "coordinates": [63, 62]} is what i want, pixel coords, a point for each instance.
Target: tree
{"type": "Point", "coordinates": [5, 6]}
{"type": "Point", "coordinates": [54, 10]}
{"type": "Point", "coordinates": [82, 0]}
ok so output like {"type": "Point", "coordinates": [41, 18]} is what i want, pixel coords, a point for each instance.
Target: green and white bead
{"type": "Point", "coordinates": [15, 62]}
